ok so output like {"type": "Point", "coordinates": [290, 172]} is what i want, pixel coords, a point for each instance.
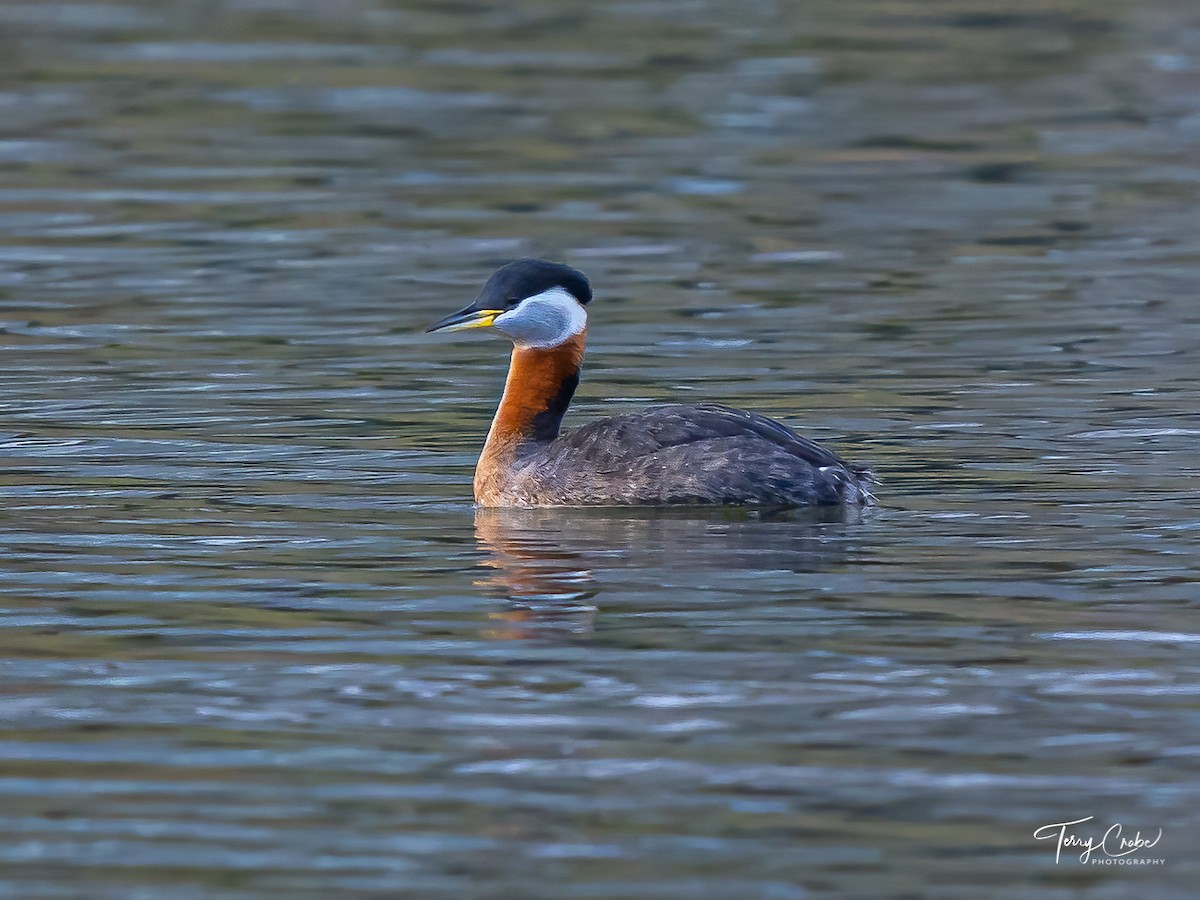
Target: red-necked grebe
{"type": "Point", "coordinates": [703, 454]}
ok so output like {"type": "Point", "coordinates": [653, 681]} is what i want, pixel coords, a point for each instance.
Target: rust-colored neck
{"type": "Point", "coordinates": [537, 392]}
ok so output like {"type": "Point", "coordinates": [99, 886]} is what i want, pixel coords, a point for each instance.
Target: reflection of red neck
{"type": "Point", "coordinates": [537, 392]}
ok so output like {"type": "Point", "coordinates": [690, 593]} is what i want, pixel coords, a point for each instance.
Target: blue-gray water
{"type": "Point", "coordinates": [257, 643]}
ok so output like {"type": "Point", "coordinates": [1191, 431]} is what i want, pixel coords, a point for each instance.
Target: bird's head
{"type": "Point", "coordinates": [533, 302]}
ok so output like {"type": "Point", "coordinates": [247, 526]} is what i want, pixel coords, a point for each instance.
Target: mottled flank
{"type": "Point", "coordinates": [679, 455]}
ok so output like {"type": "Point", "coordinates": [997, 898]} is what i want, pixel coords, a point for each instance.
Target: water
{"type": "Point", "coordinates": [257, 642]}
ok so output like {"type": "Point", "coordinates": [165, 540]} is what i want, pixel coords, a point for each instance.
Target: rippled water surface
{"type": "Point", "coordinates": [256, 641]}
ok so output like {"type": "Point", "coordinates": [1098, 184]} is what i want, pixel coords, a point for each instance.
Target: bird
{"type": "Point", "coordinates": [671, 455]}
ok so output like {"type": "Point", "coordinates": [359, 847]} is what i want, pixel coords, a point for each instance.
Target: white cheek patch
{"type": "Point", "coordinates": [543, 320]}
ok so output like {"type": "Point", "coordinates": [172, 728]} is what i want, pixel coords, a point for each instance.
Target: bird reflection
{"type": "Point", "coordinates": [549, 564]}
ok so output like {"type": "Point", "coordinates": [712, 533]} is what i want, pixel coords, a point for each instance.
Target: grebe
{"type": "Point", "coordinates": [703, 454]}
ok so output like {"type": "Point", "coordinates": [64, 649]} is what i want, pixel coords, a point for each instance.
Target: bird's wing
{"type": "Point", "coordinates": [617, 440]}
